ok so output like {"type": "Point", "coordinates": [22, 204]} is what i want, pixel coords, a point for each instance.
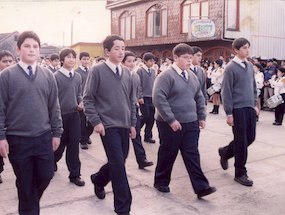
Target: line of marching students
{"type": "Point", "coordinates": [46, 111]}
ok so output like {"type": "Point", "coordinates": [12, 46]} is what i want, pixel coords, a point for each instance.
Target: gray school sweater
{"type": "Point", "coordinates": [109, 99]}
{"type": "Point", "coordinates": [84, 75]}
{"type": "Point", "coordinates": [202, 79]}
{"type": "Point", "coordinates": [29, 106]}
{"type": "Point", "coordinates": [238, 87]}
{"type": "Point", "coordinates": [147, 81]}
{"type": "Point", "coordinates": [137, 85]}
{"type": "Point", "coordinates": [178, 99]}
{"type": "Point", "coordinates": [69, 92]}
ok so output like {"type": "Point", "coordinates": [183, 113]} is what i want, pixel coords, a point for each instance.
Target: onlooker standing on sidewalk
{"type": "Point", "coordinates": [130, 62]}
{"type": "Point", "coordinates": [180, 112]}
{"type": "Point", "coordinates": [147, 76]}
{"type": "Point", "coordinates": [30, 122]}
{"type": "Point", "coordinates": [239, 99]}
{"type": "Point", "coordinates": [267, 89]}
{"type": "Point", "coordinates": [86, 127]}
{"type": "Point", "coordinates": [109, 103]}
{"type": "Point", "coordinates": [70, 100]}
{"type": "Point", "coordinates": [6, 59]}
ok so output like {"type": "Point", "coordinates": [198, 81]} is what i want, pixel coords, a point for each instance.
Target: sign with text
{"type": "Point", "coordinates": [201, 28]}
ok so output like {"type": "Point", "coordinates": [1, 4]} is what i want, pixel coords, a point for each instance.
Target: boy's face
{"type": "Point", "coordinates": [197, 58]}
{"type": "Point", "coordinates": [149, 63]}
{"type": "Point", "coordinates": [117, 52]}
{"type": "Point", "coordinates": [85, 61]}
{"type": "Point", "coordinates": [183, 61]}
{"type": "Point", "coordinates": [130, 62]}
{"type": "Point", "coordinates": [69, 62]}
{"type": "Point", "coordinates": [29, 51]}
{"type": "Point", "coordinates": [243, 52]}
{"type": "Point", "coordinates": [55, 62]}
{"type": "Point", "coordinates": [5, 62]}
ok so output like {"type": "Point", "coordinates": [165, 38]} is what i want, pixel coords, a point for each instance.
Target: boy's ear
{"type": "Point", "coordinates": [175, 57]}
{"type": "Point", "coordinates": [18, 51]}
{"type": "Point", "coordinates": [107, 52]}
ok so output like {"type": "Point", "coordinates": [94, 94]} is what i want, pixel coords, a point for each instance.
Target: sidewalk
{"type": "Point", "coordinates": [265, 166]}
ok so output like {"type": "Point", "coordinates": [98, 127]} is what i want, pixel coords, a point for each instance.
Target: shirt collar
{"type": "Point", "coordinates": [178, 70]}
{"type": "Point", "coordinates": [66, 72]}
{"type": "Point", "coordinates": [83, 68]}
{"type": "Point", "coordinates": [25, 66]}
{"type": "Point", "coordinates": [113, 66]}
{"type": "Point", "coordinates": [239, 61]}
{"type": "Point", "coordinates": [145, 67]}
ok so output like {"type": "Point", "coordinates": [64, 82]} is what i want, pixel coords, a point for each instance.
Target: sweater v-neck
{"type": "Point", "coordinates": [31, 78]}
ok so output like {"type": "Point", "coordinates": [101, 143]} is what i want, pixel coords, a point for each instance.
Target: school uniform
{"type": "Point", "coordinates": [199, 72]}
{"type": "Point", "coordinates": [114, 107]}
{"type": "Point", "coordinates": [239, 98]}
{"type": "Point", "coordinates": [147, 76]}
{"type": "Point", "coordinates": [69, 94]}
{"type": "Point", "coordinates": [179, 97]}
{"type": "Point", "coordinates": [279, 89]}
{"type": "Point", "coordinates": [29, 118]}
{"type": "Point", "coordinates": [86, 127]}
{"type": "Point", "coordinates": [52, 69]}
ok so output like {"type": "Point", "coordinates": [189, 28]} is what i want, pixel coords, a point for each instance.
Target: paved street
{"type": "Point", "coordinates": [265, 166]}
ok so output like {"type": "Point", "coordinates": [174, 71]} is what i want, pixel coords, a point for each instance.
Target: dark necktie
{"type": "Point", "coordinates": [244, 64]}
{"type": "Point", "coordinates": [70, 74]}
{"type": "Point", "coordinates": [117, 71]}
{"type": "Point", "coordinates": [194, 70]}
{"type": "Point", "coordinates": [30, 70]}
{"type": "Point", "coordinates": [183, 75]}
{"type": "Point", "coordinates": [85, 68]}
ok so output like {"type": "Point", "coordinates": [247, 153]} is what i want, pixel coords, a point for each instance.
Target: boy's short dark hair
{"type": "Point", "coordinates": [182, 48]}
{"type": "Point", "coordinates": [239, 42]}
{"type": "Point", "coordinates": [219, 62]}
{"type": "Point", "coordinates": [54, 57]}
{"type": "Point", "coordinates": [4, 53]}
{"type": "Point", "coordinates": [108, 43]}
{"type": "Point", "coordinates": [196, 49]}
{"type": "Point", "coordinates": [148, 56]}
{"type": "Point", "coordinates": [127, 54]}
{"type": "Point", "coordinates": [100, 59]}
{"type": "Point", "coordinates": [281, 69]}
{"type": "Point", "coordinates": [83, 54]}
{"type": "Point", "coordinates": [64, 52]}
{"type": "Point", "coordinates": [25, 35]}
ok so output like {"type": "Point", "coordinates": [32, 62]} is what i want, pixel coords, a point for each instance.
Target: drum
{"type": "Point", "coordinates": [274, 101]}
{"type": "Point", "coordinates": [214, 89]}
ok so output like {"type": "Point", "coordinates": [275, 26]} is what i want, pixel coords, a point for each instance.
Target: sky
{"type": "Point", "coordinates": [52, 20]}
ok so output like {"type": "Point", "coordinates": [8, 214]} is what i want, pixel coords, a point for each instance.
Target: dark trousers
{"type": "Point", "coordinates": [86, 128]}
{"type": "Point", "coordinates": [137, 142]}
{"type": "Point", "coordinates": [116, 145]}
{"type": "Point", "coordinates": [185, 140]}
{"type": "Point", "coordinates": [147, 110]}
{"type": "Point", "coordinates": [279, 111]}
{"type": "Point", "coordinates": [32, 161]}
{"type": "Point", "coordinates": [1, 164]}
{"type": "Point", "coordinates": [70, 139]}
{"type": "Point", "coordinates": [244, 134]}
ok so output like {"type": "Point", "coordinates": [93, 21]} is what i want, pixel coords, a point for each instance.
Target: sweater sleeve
{"type": "Point", "coordinates": [79, 90]}
{"type": "Point", "coordinates": [162, 85]}
{"type": "Point", "coordinates": [200, 105]}
{"type": "Point", "coordinates": [89, 96]}
{"type": "Point", "coordinates": [3, 103]}
{"type": "Point", "coordinates": [227, 91]}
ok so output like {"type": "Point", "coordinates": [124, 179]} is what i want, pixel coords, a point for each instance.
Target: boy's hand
{"type": "Point", "coordinates": [176, 126]}
{"type": "Point", "coordinates": [4, 148]}
{"type": "Point", "coordinates": [202, 124]}
{"type": "Point", "coordinates": [230, 120]}
{"type": "Point", "coordinates": [100, 129]}
{"type": "Point", "coordinates": [55, 143]}
{"type": "Point", "coordinates": [133, 133]}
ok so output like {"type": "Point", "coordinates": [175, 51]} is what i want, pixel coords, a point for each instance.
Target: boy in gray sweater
{"type": "Point", "coordinates": [30, 122]}
{"type": "Point", "coordinates": [70, 100]}
{"type": "Point", "coordinates": [109, 103]}
{"type": "Point", "coordinates": [180, 111]}
{"type": "Point", "coordinates": [239, 98]}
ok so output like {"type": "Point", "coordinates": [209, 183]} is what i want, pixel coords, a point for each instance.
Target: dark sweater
{"type": "Point", "coordinates": [178, 99]}
{"type": "Point", "coordinates": [202, 79]}
{"type": "Point", "coordinates": [29, 106]}
{"type": "Point", "coordinates": [109, 99]}
{"type": "Point", "coordinates": [238, 87]}
{"type": "Point", "coordinates": [83, 75]}
{"type": "Point", "coordinates": [69, 92]}
{"type": "Point", "coordinates": [147, 81]}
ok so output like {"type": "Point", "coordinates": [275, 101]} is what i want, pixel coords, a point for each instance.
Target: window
{"type": "Point", "coordinates": [193, 9]}
{"type": "Point", "coordinates": [128, 25]}
{"type": "Point", "coordinates": [233, 15]}
{"type": "Point", "coordinates": [157, 21]}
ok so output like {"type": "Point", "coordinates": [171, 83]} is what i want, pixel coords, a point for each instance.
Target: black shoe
{"type": "Point", "coordinates": [163, 189]}
{"type": "Point", "coordinates": [206, 192]}
{"type": "Point", "coordinates": [84, 146]}
{"type": "Point", "coordinates": [77, 181]}
{"type": "Point", "coordinates": [145, 163]}
{"type": "Point", "coordinates": [149, 140]}
{"type": "Point", "coordinates": [1, 181]}
{"type": "Point", "coordinates": [276, 123]}
{"type": "Point", "coordinates": [55, 167]}
{"type": "Point", "coordinates": [223, 161]}
{"type": "Point", "coordinates": [123, 214]}
{"type": "Point", "coordinates": [98, 190]}
{"type": "Point", "coordinates": [244, 180]}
